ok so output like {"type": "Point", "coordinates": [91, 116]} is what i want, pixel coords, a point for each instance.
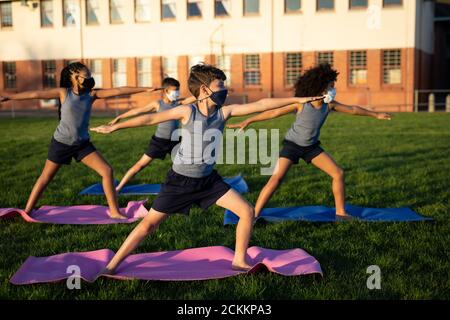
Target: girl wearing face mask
{"type": "Point", "coordinates": [302, 139]}
{"type": "Point", "coordinates": [164, 140]}
{"type": "Point", "coordinates": [71, 138]}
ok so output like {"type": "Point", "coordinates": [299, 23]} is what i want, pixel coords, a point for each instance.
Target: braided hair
{"type": "Point", "coordinates": [65, 79]}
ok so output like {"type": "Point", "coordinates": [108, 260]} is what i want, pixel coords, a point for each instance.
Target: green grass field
{"type": "Point", "coordinates": [405, 162]}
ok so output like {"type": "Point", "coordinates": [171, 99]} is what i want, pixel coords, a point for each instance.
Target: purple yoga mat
{"type": "Point", "coordinates": [84, 214]}
{"type": "Point", "coordinates": [181, 265]}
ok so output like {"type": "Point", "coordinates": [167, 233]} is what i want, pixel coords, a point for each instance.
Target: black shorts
{"type": "Point", "coordinates": [294, 152]}
{"type": "Point", "coordinates": [62, 153]}
{"type": "Point", "coordinates": [158, 148]}
{"type": "Point", "coordinates": [179, 193]}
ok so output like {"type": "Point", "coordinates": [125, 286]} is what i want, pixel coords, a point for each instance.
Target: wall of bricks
{"type": "Point", "coordinates": [416, 73]}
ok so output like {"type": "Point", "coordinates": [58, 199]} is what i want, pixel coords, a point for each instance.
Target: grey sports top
{"type": "Point", "coordinates": [201, 137]}
{"type": "Point", "coordinates": [165, 129]}
{"type": "Point", "coordinates": [305, 131]}
{"type": "Point", "coordinates": [73, 127]}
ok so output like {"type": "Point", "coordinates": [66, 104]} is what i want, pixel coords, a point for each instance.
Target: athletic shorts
{"type": "Point", "coordinates": [179, 193]}
{"type": "Point", "coordinates": [61, 153]}
{"type": "Point", "coordinates": [294, 152]}
{"type": "Point", "coordinates": [158, 148]}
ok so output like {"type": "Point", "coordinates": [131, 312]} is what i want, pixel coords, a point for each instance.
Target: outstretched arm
{"type": "Point", "coordinates": [236, 110]}
{"type": "Point", "coordinates": [267, 115]}
{"type": "Point", "coordinates": [189, 100]}
{"type": "Point", "coordinates": [151, 107]}
{"type": "Point", "coordinates": [114, 92]}
{"type": "Point", "coordinates": [181, 113]}
{"type": "Point", "coordinates": [54, 93]}
{"type": "Point", "coordinates": [358, 111]}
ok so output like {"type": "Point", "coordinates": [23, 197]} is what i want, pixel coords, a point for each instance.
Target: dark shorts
{"type": "Point", "coordinates": [158, 148]}
{"type": "Point", "coordinates": [294, 152]}
{"type": "Point", "coordinates": [62, 153]}
{"type": "Point", "coordinates": [179, 193]}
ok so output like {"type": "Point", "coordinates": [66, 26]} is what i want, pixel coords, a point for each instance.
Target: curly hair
{"type": "Point", "coordinates": [203, 74]}
{"type": "Point", "coordinates": [315, 80]}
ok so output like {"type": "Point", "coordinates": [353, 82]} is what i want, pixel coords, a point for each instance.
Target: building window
{"type": "Point", "coordinates": [252, 72]}
{"type": "Point", "coordinates": [119, 78]}
{"type": "Point", "coordinates": [170, 68]}
{"type": "Point", "coordinates": [142, 11]}
{"type": "Point", "coordinates": [92, 12]}
{"type": "Point", "coordinates": [291, 6]}
{"type": "Point", "coordinates": [96, 67]}
{"type": "Point", "coordinates": [292, 68]}
{"type": "Point", "coordinates": [222, 8]}
{"type": "Point", "coordinates": [6, 14]}
{"type": "Point", "coordinates": [392, 3]}
{"type": "Point", "coordinates": [392, 71]}
{"type": "Point", "coordinates": [194, 8]}
{"type": "Point", "coordinates": [358, 4]}
{"type": "Point", "coordinates": [46, 13]}
{"type": "Point", "coordinates": [251, 7]}
{"type": "Point", "coordinates": [224, 64]}
{"type": "Point", "coordinates": [70, 9]}
{"type": "Point", "coordinates": [9, 75]}
{"type": "Point", "coordinates": [144, 72]}
{"type": "Point", "coordinates": [116, 11]}
{"type": "Point", "coordinates": [49, 67]}
{"type": "Point", "coordinates": [325, 5]}
{"type": "Point", "coordinates": [325, 57]}
{"type": "Point", "coordinates": [358, 67]}
{"type": "Point", "coordinates": [168, 9]}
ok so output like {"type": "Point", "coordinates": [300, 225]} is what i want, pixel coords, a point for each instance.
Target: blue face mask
{"type": "Point", "coordinates": [219, 97]}
{"type": "Point", "coordinates": [330, 96]}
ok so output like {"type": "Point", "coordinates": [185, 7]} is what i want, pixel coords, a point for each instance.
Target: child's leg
{"type": "Point", "coordinates": [47, 175]}
{"type": "Point", "coordinates": [148, 225]}
{"type": "Point", "coordinates": [233, 201]}
{"type": "Point", "coordinates": [326, 163]}
{"type": "Point", "coordinates": [281, 168]}
{"type": "Point", "coordinates": [135, 169]}
{"type": "Point", "coordinates": [96, 162]}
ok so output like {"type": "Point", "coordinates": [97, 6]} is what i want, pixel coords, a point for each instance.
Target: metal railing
{"type": "Point", "coordinates": [432, 100]}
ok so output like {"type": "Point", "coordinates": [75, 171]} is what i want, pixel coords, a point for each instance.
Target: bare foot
{"type": "Point", "coordinates": [117, 216]}
{"type": "Point", "coordinates": [344, 217]}
{"type": "Point", "coordinates": [241, 267]}
{"type": "Point", "coordinates": [107, 272]}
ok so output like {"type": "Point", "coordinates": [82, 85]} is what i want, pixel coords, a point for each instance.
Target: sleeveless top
{"type": "Point", "coordinates": [73, 127]}
{"type": "Point", "coordinates": [201, 138]}
{"type": "Point", "coordinates": [305, 131]}
{"type": "Point", "coordinates": [165, 129]}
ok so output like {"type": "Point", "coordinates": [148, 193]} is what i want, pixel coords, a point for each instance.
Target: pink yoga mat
{"type": "Point", "coordinates": [181, 265]}
{"type": "Point", "coordinates": [84, 214]}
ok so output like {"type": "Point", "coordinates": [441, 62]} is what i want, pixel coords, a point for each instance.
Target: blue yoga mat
{"type": "Point", "coordinates": [237, 183]}
{"type": "Point", "coordinates": [326, 214]}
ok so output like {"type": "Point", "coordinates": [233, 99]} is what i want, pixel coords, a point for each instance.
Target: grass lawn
{"type": "Point", "coordinates": [404, 162]}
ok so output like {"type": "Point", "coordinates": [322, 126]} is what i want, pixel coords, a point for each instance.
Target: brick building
{"type": "Point", "coordinates": [383, 49]}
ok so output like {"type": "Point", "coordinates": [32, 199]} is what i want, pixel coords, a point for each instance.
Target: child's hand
{"type": "Point", "coordinates": [105, 129]}
{"type": "Point", "coordinates": [241, 125]}
{"type": "Point", "coordinates": [3, 99]}
{"type": "Point", "coordinates": [113, 122]}
{"type": "Point", "coordinates": [383, 116]}
{"type": "Point", "coordinates": [310, 99]}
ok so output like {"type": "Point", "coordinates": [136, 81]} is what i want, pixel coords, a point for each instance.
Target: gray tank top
{"type": "Point", "coordinates": [201, 138]}
{"type": "Point", "coordinates": [165, 129]}
{"type": "Point", "coordinates": [305, 131]}
{"type": "Point", "coordinates": [73, 127]}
